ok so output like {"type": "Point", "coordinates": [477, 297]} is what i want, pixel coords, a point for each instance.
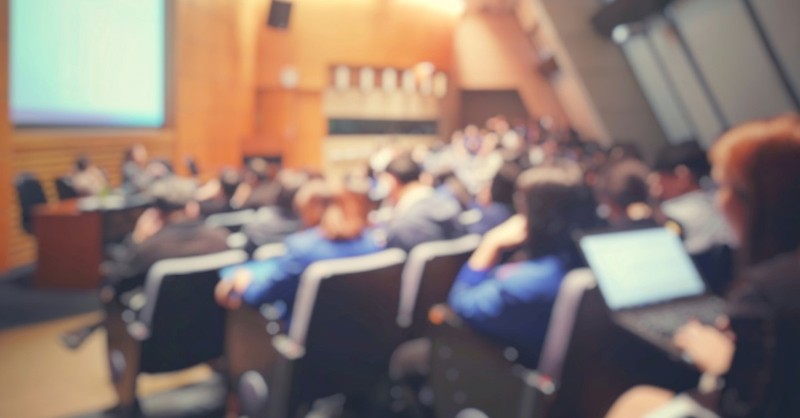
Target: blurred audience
{"type": "Point", "coordinates": [342, 231]}
{"type": "Point", "coordinates": [172, 228]}
{"type": "Point", "coordinates": [418, 213]}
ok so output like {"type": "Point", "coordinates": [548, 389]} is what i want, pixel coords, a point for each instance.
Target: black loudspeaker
{"type": "Point", "coordinates": [279, 13]}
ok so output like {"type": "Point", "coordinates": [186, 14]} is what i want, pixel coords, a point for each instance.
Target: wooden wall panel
{"type": "Point", "coordinates": [5, 142]}
{"type": "Point", "coordinates": [323, 33]}
{"type": "Point", "coordinates": [493, 53]}
{"type": "Point", "coordinates": [215, 46]}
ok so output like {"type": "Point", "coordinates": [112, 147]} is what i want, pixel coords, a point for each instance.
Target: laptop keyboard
{"type": "Point", "coordinates": [665, 319]}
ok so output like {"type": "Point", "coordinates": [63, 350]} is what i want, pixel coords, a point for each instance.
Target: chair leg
{"type": "Point", "coordinates": [124, 354]}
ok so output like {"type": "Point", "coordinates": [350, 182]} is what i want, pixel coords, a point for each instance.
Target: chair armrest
{"type": "Point", "coordinates": [287, 347]}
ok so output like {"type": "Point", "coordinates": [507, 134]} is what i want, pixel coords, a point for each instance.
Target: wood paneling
{"type": "Point", "coordinates": [493, 53]}
{"type": "Point", "coordinates": [215, 50]}
{"type": "Point", "coordinates": [323, 33]}
{"type": "Point", "coordinates": [5, 141]}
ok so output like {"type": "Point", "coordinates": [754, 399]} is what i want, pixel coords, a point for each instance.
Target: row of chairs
{"type": "Point", "coordinates": [349, 316]}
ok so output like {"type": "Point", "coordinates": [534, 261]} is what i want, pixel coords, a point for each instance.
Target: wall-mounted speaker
{"type": "Point", "coordinates": [279, 12]}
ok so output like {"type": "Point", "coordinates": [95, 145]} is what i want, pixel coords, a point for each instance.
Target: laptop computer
{"type": "Point", "coordinates": [649, 283]}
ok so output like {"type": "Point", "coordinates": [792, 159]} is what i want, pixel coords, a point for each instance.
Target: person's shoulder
{"type": "Point", "coordinates": [547, 266]}
{"type": "Point", "coordinates": [774, 284]}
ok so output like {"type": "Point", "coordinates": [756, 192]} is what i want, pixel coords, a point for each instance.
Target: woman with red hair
{"type": "Point", "coordinates": [754, 349]}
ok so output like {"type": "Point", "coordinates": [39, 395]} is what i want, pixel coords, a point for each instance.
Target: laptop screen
{"type": "Point", "coordinates": [641, 267]}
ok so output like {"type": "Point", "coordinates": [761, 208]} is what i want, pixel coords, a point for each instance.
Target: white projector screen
{"type": "Point", "coordinates": [87, 63]}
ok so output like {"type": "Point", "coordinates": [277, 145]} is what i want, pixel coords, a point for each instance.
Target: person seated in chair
{"type": "Point", "coordinates": [511, 302]}
{"type": "Point", "coordinates": [342, 232]}
{"type": "Point", "coordinates": [754, 347]}
{"type": "Point", "coordinates": [623, 195]}
{"type": "Point", "coordinates": [87, 179]}
{"type": "Point", "coordinates": [280, 218]}
{"type": "Point", "coordinates": [419, 214]}
{"type": "Point", "coordinates": [172, 228]}
{"type": "Point", "coordinates": [216, 196]}
{"type": "Point", "coordinates": [675, 183]}
{"type": "Point", "coordinates": [495, 202]}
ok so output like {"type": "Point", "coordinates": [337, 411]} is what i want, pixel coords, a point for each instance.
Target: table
{"type": "Point", "coordinates": [72, 237]}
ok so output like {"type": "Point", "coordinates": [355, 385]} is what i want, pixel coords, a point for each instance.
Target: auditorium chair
{"type": "Point", "coordinates": [233, 221]}
{"type": "Point", "coordinates": [471, 375]}
{"type": "Point", "coordinates": [29, 195]}
{"type": "Point", "coordinates": [427, 278]}
{"type": "Point", "coordinates": [342, 333]}
{"type": "Point", "coordinates": [64, 188]}
{"type": "Point", "coordinates": [249, 332]}
{"type": "Point", "coordinates": [171, 324]}
{"type": "Point", "coordinates": [268, 251]}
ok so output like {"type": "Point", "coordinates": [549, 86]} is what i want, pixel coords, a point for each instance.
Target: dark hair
{"type": "Point", "coordinates": [404, 169]}
{"type": "Point", "coordinates": [259, 168]}
{"type": "Point", "coordinates": [82, 162]}
{"type": "Point", "coordinates": [688, 154]}
{"type": "Point", "coordinates": [172, 193]}
{"type": "Point", "coordinates": [229, 180]}
{"type": "Point", "coordinates": [285, 187]}
{"type": "Point", "coordinates": [557, 204]}
{"type": "Point", "coordinates": [624, 182]}
{"type": "Point", "coordinates": [504, 184]}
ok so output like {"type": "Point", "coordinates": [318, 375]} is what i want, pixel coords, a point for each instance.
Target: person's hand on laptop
{"type": "Point", "coordinates": [709, 348]}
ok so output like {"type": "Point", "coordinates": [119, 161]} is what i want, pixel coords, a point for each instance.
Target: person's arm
{"type": "Point", "coordinates": [709, 348]}
{"type": "Point", "coordinates": [511, 233]}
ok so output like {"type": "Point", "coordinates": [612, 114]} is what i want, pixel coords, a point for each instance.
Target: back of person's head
{"type": "Point", "coordinates": [172, 194]}
{"type": "Point", "coordinates": [82, 163]}
{"type": "Point", "coordinates": [229, 180]}
{"type": "Point", "coordinates": [757, 166]}
{"type": "Point", "coordinates": [624, 150]}
{"type": "Point", "coordinates": [623, 183]}
{"type": "Point", "coordinates": [257, 170]}
{"type": "Point", "coordinates": [404, 169]}
{"type": "Point", "coordinates": [311, 200]}
{"type": "Point", "coordinates": [287, 184]}
{"type": "Point", "coordinates": [345, 216]}
{"type": "Point", "coordinates": [556, 204]}
{"type": "Point", "coordinates": [688, 154]}
{"type": "Point", "coordinates": [504, 183]}
{"type": "Point", "coordinates": [136, 153]}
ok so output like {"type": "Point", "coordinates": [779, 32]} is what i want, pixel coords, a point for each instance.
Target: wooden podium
{"type": "Point", "coordinates": [72, 235]}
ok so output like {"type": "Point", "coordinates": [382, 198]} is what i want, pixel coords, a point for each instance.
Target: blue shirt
{"type": "Point", "coordinates": [510, 303]}
{"type": "Point", "coordinates": [276, 280]}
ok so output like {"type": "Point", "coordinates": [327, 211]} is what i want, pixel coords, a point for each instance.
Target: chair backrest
{"type": "Point", "coordinates": [428, 276]}
{"type": "Point", "coordinates": [233, 221]}
{"type": "Point", "coordinates": [581, 338]}
{"type": "Point", "coordinates": [344, 318]}
{"type": "Point", "coordinates": [65, 189]}
{"type": "Point", "coordinates": [473, 377]}
{"type": "Point", "coordinates": [267, 251]}
{"type": "Point", "coordinates": [29, 194]}
{"type": "Point", "coordinates": [183, 323]}
{"type": "Point", "coordinates": [562, 321]}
